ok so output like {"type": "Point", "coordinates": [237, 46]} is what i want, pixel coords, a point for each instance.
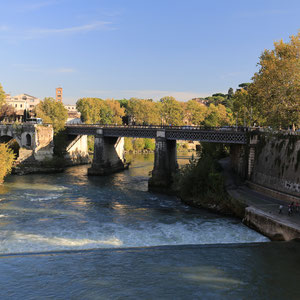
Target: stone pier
{"type": "Point", "coordinates": [108, 155]}
{"type": "Point", "coordinates": [165, 161]}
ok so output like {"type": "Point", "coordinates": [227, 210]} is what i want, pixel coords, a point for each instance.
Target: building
{"type": "Point", "coordinates": [19, 105]}
{"type": "Point", "coordinates": [22, 102]}
{"type": "Point", "coordinates": [202, 101]}
{"type": "Point", "coordinates": [73, 114]}
{"type": "Point", "coordinates": [31, 101]}
{"type": "Point", "coordinates": [59, 91]}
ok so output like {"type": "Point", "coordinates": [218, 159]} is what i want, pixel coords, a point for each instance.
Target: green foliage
{"type": "Point", "coordinates": [218, 116]}
{"type": "Point", "coordinates": [195, 112]}
{"type": "Point", "coordinates": [53, 112]}
{"type": "Point", "coordinates": [98, 111]}
{"type": "Point", "coordinates": [128, 146]}
{"type": "Point", "coordinates": [143, 111]}
{"type": "Point", "coordinates": [89, 109]}
{"type": "Point", "coordinates": [91, 143]}
{"type": "Point", "coordinates": [171, 111]}
{"type": "Point", "coordinates": [202, 179]}
{"type": "Point", "coordinates": [149, 144]}
{"type": "Point", "coordinates": [60, 140]}
{"type": "Point", "coordinates": [138, 144]}
{"type": "Point", "coordinates": [275, 91]}
{"type": "Point", "coordinates": [7, 158]}
{"type": "Point", "coordinates": [2, 95]}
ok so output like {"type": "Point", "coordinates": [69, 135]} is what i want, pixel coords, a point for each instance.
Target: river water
{"type": "Point", "coordinates": [68, 236]}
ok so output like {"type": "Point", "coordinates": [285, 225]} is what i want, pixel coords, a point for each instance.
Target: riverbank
{"type": "Point", "coordinates": [261, 210]}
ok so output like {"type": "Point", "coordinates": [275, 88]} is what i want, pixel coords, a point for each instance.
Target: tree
{"type": "Point", "coordinates": [244, 85]}
{"type": "Point", "coordinates": [2, 95]}
{"type": "Point", "coordinates": [218, 116]}
{"type": "Point", "coordinates": [90, 109]}
{"type": "Point", "coordinates": [171, 111]}
{"type": "Point", "coordinates": [7, 158]}
{"type": "Point", "coordinates": [7, 111]}
{"type": "Point", "coordinates": [230, 93]}
{"type": "Point", "coordinates": [115, 110]}
{"type": "Point", "coordinates": [143, 111]}
{"type": "Point", "coordinates": [195, 112]}
{"type": "Point", "coordinates": [53, 112]}
{"type": "Point", "coordinates": [276, 86]}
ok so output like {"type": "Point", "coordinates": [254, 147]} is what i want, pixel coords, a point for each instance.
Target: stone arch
{"type": "Point", "coordinates": [12, 143]}
{"type": "Point", "coordinates": [28, 140]}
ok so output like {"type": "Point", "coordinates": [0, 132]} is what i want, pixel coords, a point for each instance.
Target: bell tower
{"type": "Point", "coordinates": [59, 94]}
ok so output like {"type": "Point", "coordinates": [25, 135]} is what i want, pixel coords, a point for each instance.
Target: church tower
{"type": "Point", "coordinates": [59, 94]}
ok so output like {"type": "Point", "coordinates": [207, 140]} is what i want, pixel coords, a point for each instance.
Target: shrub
{"type": "Point", "coordinates": [138, 144]}
{"type": "Point", "coordinates": [7, 158]}
{"type": "Point", "coordinates": [128, 144]}
{"type": "Point", "coordinates": [149, 144]}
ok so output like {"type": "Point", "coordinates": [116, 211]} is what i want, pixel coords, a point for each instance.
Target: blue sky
{"type": "Point", "coordinates": [137, 48]}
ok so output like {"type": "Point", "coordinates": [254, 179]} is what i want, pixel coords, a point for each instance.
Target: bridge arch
{"type": "Point", "coordinates": [28, 140]}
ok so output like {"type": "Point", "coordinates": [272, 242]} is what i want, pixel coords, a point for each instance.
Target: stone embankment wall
{"type": "Point", "coordinates": [277, 163]}
{"type": "Point", "coordinates": [273, 228]}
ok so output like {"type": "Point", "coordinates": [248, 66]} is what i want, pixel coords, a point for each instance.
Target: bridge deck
{"type": "Point", "coordinates": [229, 135]}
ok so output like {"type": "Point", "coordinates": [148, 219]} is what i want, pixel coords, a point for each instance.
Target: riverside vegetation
{"type": "Point", "coordinates": [201, 183]}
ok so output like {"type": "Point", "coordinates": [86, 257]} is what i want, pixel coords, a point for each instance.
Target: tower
{"type": "Point", "coordinates": [59, 94]}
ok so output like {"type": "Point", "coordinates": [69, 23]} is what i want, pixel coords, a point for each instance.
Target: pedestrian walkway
{"type": "Point", "coordinates": [269, 205]}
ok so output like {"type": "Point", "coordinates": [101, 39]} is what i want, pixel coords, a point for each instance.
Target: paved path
{"type": "Point", "coordinates": [238, 190]}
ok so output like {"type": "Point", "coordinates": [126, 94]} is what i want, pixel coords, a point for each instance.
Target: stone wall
{"type": "Point", "coordinates": [77, 151]}
{"type": "Point", "coordinates": [277, 162]}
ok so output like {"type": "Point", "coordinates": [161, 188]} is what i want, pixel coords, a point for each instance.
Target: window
{"type": "Point", "coordinates": [21, 105]}
{"type": "Point", "coordinates": [16, 105]}
{"type": "Point", "coordinates": [31, 105]}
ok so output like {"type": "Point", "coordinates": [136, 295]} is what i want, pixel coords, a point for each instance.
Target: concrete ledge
{"type": "Point", "coordinates": [273, 193]}
{"type": "Point", "coordinates": [268, 225]}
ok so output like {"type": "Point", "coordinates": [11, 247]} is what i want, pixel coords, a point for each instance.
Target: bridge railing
{"type": "Point", "coordinates": [170, 127]}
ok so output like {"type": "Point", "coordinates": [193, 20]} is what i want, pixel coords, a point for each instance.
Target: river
{"type": "Point", "coordinates": [68, 236]}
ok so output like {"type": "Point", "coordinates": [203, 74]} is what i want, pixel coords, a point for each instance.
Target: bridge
{"type": "Point", "coordinates": [109, 145]}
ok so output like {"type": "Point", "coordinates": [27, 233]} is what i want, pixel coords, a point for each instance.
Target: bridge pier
{"type": "Point", "coordinates": [108, 155]}
{"type": "Point", "coordinates": [165, 162]}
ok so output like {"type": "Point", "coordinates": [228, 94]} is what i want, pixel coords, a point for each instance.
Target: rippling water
{"type": "Point", "coordinates": [73, 211]}
{"type": "Point", "coordinates": [49, 222]}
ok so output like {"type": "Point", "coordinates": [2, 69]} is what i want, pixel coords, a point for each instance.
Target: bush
{"type": "Point", "coordinates": [128, 144]}
{"type": "Point", "coordinates": [138, 144]}
{"type": "Point", "coordinates": [149, 144]}
{"type": "Point", "coordinates": [7, 158]}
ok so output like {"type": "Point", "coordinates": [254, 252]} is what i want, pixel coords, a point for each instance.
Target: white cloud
{"type": "Point", "coordinates": [27, 6]}
{"type": "Point", "coordinates": [13, 35]}
{"type": "Point", "coordinates": [39, 69]}
{"type": "Point", "coordinates": [69, 30]}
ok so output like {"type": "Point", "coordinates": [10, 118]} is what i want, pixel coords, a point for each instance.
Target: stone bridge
{"type": "Point", "coordinates": [109, 145]}
{"type": "Point", "coordinates": [30, 142]}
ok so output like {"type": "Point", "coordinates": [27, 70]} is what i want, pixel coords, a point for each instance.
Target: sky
{"type": "Point", "coordinates": [137, 48]}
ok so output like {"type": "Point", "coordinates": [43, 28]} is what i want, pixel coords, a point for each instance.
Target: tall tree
{"type": "Point", "coordinates": [195, 112]}
{"type": "Point", "coordinates": [53, 112]}
{"type": "Point", "coordinates": [276, 86]}
{"type": "Point", "coordinates": [90, 109]}
{"type": "Point", "coordinates": [230, 93]}
{"type": "Point", "coordinates": [2, 95]}
{"type": "Point", "coordinates": [171, 111]}
{"type": "Point", "coordinates": [143, 111]}
{"type": "Point", "coordinates": [218, 115]}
